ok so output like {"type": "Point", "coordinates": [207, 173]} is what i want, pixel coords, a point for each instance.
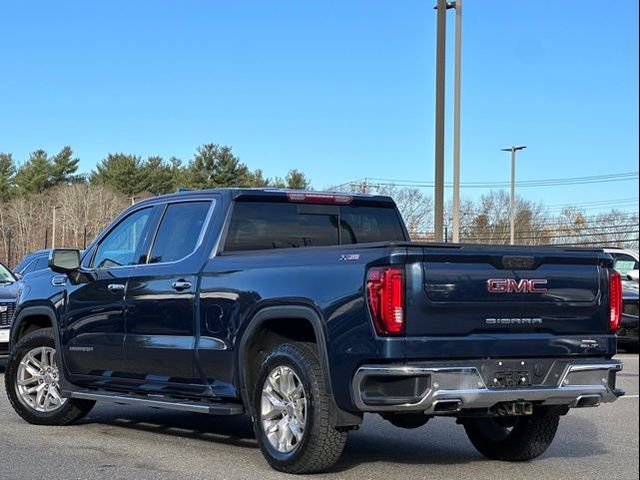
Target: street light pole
{"type": "Point", "coordinates": [456, 123]}
{"type": "Point", "coordinates": [438, 207]}
{"type": "Point", "coordinates": [512, 208]}
{"type": "Point", "coordinates": [53, 235]}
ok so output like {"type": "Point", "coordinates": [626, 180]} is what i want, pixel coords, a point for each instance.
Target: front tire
{"type": "Point", "coordinates": [291, 412]}
{"type": "Point", "coordinates": [513, 439]}
{"type": "Point", "coordinates": [32, 383]}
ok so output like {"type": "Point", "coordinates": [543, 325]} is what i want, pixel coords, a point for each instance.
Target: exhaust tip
{"type": "Point", "coordinates": [585, 401]}
{"type": "Point", "coordinates": [447, 406]}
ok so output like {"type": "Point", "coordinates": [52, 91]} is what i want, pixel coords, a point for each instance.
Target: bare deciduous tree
{"type": "Point", "coordinates": [28, 219]}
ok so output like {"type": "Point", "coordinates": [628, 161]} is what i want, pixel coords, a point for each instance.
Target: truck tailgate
{"type": "Point", "coordinates": [482, 289]}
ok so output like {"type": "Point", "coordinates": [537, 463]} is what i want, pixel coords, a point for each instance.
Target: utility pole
{"type": "Point", "coordinates": [441, 30]}
{"type": "Point", "coordinates": [512, 209]}
{"type": "Point", "coordinates": [456, 123]}
{"type": "Point", "coordinates": [53, 232]}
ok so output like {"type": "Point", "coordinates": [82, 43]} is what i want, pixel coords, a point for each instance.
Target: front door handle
{"type": "Point", "coordinates": [116, 287]}
{"type": "Point", "coordinates": [181, 285]}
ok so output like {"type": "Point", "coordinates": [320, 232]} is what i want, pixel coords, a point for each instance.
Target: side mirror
{"type": "Point", "coordinates": [18, 276]}
{"type": "Point", "coordinates": [64, 260]}
{"type": "Point", "coordinates": [633, 275]}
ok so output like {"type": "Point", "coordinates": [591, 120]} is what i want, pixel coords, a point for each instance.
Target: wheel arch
{"type": "Point", "coordinates": [21, 327]}
{"type": "Point", "coordinates": [285, 314]}
{"type": "Point", "coordinates": [34, 316]}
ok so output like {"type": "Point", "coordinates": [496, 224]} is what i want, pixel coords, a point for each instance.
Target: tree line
{"type": "Point", "coordinates": [85, 203]}
{"type": "Point", "coordinates": [212, 166]}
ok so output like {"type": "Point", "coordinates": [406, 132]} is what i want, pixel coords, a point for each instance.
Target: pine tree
{"type": "Point", "coordinates": [64, 167]}
{"type": "Point", "coordinates": [216, 166]}
{"type": "Point", "coordinates": [34, 176]}
{"type": "Point", "coordinates": [160, 176]}
{"type": "Point", "coordinates": [125, 173]}
{"type": "Point", "coordinates": [296, 180]}
{"type": "Point", "coordinates": [7, 176]}
{"type": "Point", "coordinates": [256, 179]}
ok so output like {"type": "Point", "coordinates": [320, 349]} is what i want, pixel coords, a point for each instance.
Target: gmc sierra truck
{"type": "Point", "coordinates": [305, 310]}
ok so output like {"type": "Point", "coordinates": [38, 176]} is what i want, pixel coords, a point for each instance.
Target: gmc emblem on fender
{"type": "Point", "coordinates": [511, 285]}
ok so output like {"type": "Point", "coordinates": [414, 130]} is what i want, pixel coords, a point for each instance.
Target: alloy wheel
{"type": "Point", "coordinates": [283, 409]}
{"type": "Point", "coordinates": [37, 383]}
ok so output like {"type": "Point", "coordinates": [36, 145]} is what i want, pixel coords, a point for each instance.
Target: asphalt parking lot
{"type": "Point", "coordinates": [116, 442]}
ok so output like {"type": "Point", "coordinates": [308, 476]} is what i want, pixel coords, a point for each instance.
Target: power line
{"type": "Point", "coordinates": [610, 242]}
{"type": "Point", "coordinates": [578, 235]}
{"type": "Point", "coordinates": [632, 241]}
{"type": "Point", "coordinates": [595, 202]}
{"type": "Point", "coordinates": [560, 231]}
{"type": "Point", "coordinates": [560, 224]}
{"type": "Point", "coordinates": [591, 179]}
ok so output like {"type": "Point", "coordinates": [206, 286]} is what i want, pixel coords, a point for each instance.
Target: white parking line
{"type": "Point", "coordinates": [630, 396]}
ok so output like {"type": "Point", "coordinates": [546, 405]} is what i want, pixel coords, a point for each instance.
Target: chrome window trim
{"type": "Point", "coordinates": [199, 242]}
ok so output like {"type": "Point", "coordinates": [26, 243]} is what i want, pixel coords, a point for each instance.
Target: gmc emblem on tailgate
{"type": "Point", "coordinates": [511, 285]}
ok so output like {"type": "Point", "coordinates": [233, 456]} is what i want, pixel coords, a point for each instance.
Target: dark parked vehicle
{"type": "Point", "coordinates": [33, 262]}
{"type": "Point", "coordinates": [306, 310]}
{"type": "Point", "coordinates": [8, 294]}
{"type": "Point", "coordinates": [628, 334]}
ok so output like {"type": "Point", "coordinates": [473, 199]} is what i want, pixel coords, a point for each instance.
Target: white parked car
{"type": "Point", "coordinates": [625, 262]}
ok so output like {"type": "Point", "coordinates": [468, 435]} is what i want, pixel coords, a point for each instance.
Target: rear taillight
{"type": "Point", "coordinates": [615, 301]}
{"type": "Point", "coordinates": [385, 294]}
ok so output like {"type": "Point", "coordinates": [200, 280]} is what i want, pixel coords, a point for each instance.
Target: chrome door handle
{"type": "Point", "coordinates": [116, 287]}
{"type": "Point", "coordinates": [181, 285]}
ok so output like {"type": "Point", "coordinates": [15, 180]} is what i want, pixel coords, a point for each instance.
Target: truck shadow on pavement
{"type": "Point", "coordinates": [439, 447]}
{"type": "Point", "coordinates": [236, 430]}
{"type": "Point", "coordinates": [438, 444]}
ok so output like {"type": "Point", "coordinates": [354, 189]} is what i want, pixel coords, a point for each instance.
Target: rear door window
{"type": "Point", "coordinates": [179, 231]}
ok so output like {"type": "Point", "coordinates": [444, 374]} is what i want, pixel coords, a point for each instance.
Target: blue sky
{"type": "Point", "coordinates": [339, 89]}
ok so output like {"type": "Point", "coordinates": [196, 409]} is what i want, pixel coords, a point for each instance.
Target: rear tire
{"type": "Point", "coordinates": [527, 438]}
{"type": "Point", "coordinates": [290, 401]}
{"type": "Point", "coordinates": [45, 406]}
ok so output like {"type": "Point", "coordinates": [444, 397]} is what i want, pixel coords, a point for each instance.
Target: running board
{"type": "Point", "coordinates": [168, 403]}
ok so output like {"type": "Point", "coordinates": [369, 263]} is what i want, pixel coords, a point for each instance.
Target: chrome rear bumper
{"type": "Point", "coordinates": [445, 389]}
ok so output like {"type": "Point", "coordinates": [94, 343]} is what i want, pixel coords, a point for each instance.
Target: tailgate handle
{"type": "Point", "coordinates": [518, 262]}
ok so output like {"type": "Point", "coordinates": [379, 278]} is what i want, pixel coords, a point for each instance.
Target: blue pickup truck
{"type": "Point", "coordinates": [306, 310]}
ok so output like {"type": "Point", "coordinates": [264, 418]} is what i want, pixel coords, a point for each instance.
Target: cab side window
{"type": "Point", "coordinates": [179, 231]}
{"type": "Point", "coordinates": [119, 247]}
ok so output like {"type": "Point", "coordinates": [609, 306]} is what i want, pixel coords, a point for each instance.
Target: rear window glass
{"type": "Point", "coordinates": [263, 225]}
{"type": "Point", "coordinates": [370, 224]}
